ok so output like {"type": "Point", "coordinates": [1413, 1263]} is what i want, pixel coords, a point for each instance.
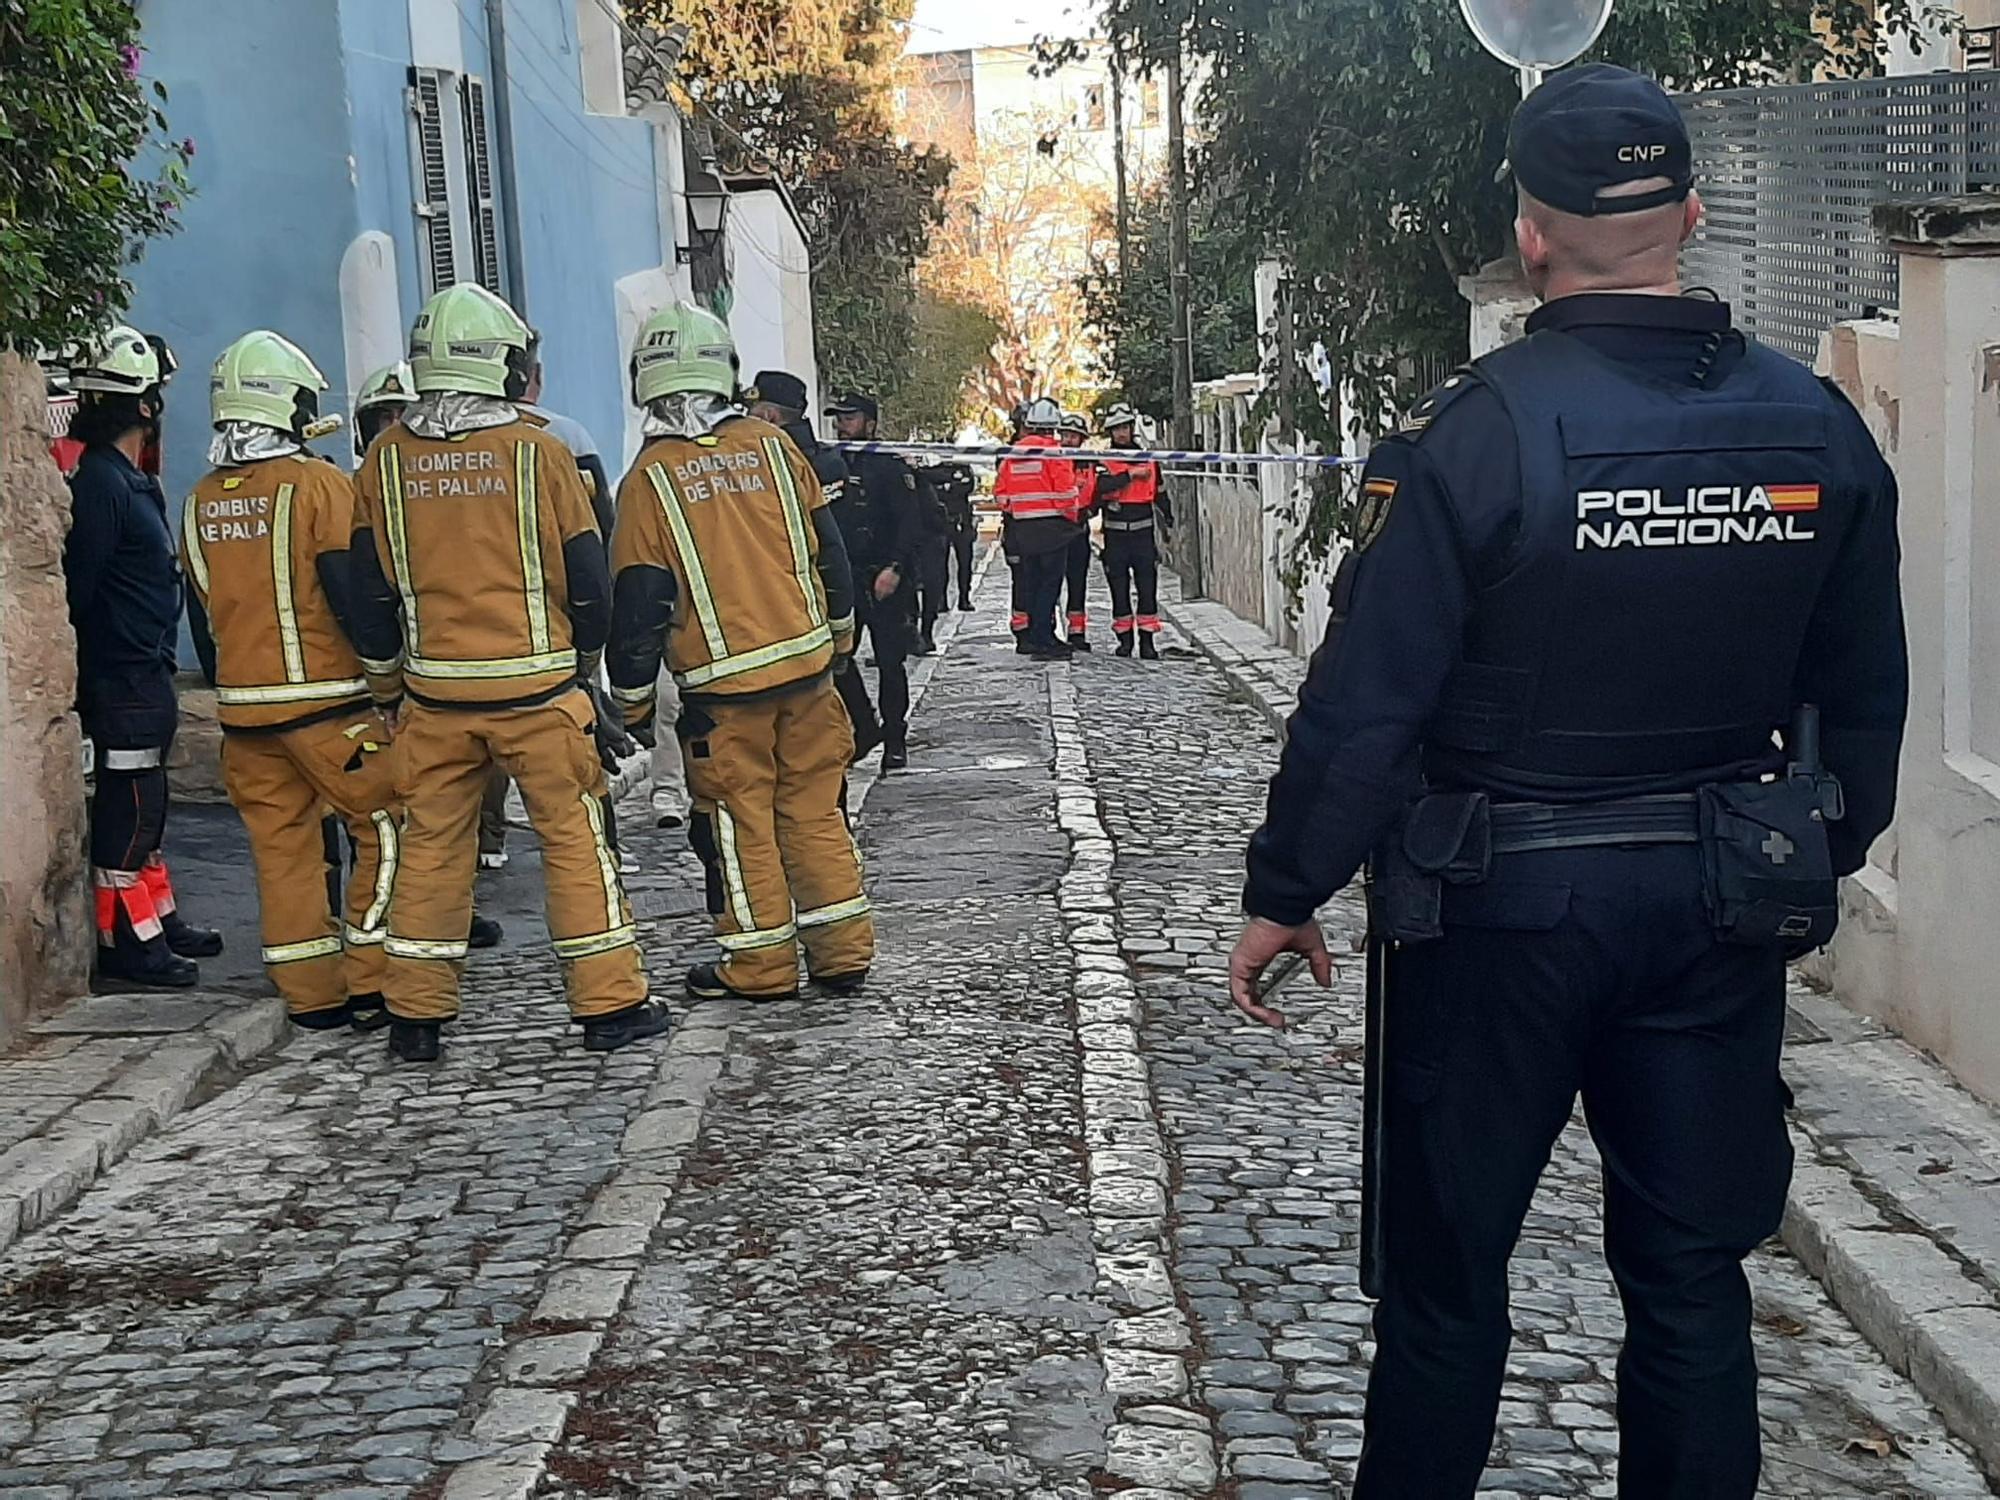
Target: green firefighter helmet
{"type": "Point", "coordinates": [265, 378]}
{"type": "Point", "coordinates": [466, 339]}
{"type": "Point", "coordinates": [121, 360]}
{"type": "Point", "coordinates": [392, 385]}
{"type": "Point", "coordinates": [680, 349]}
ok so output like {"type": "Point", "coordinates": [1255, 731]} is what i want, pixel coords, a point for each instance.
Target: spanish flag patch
{"type": "Point", "coordinates": [1792, 497]}
{"type": "Point", "coordinates": [1377, 495]}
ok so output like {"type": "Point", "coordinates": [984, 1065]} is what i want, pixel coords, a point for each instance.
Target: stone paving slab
{"type": "Point", "coordinates": [1892, 1206]}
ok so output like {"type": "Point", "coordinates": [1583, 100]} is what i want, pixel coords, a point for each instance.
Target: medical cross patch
{"type": "Point", "coordinates": [1377, 495]}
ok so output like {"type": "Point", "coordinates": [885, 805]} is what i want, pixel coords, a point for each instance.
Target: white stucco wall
{"type": "Point", "coordinates": [771, 273]}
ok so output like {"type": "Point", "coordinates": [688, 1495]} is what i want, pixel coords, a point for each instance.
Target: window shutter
{"type": "Point", "coordinates": [433, 202]}
{"type": "Point", "coordinates": [479, 184]}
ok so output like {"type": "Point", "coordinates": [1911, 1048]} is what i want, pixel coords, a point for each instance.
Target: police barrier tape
{"type": "Point", "coordinates": [992, 452]}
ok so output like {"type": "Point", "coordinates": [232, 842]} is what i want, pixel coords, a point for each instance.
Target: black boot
{"type": "Point", "coordinates": [190, 941]}
{"type": "Point", "coordinates": [1080, 642]}
{"type": "Point", "coordinates": [925, 645]}
{"type": "Point", "coordinates": [705, 982]}
{"type": "Point", "coordinates": [1124, 643]}
{"type": "Point", "coordinates": [150, 965]}
{"type": "Point", "coordinates": [484, 932]}
{"type": "Point", "coordinates": [621, 1028]}
{"type": "Point", "coordinates": [965, 602]}
{"type": "Point", "coordinates": [368, 1011]}
{"type": "Point", "coordinates": [1147, 650]}
{"type": "Point", "coordinates": [895, 753]}
{"type": "Point", "coordinates": [842, 984]}
{"type": "Point", "coordinates": [416, 1041]}
{"type": "Point", "coordinates": [333, 1019]}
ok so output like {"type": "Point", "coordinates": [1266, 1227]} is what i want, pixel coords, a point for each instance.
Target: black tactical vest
{"type": "Point", "coordinates": [1674, 541]}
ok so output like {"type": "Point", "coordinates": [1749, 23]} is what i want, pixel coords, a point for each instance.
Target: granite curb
{"type": "Point", "coordinates": [1892, 1206]}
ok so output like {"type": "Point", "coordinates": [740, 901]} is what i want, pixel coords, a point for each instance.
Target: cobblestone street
{"type": "Point", "coordinates": [1031, 1216]}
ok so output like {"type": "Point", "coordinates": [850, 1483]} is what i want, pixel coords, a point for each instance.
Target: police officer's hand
{"type": "Point", "coordinates": [1263, 941]}
{"type": "Point", "coordinates": [886, 581]}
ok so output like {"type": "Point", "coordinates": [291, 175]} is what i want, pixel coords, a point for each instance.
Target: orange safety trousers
{"type": "Point", "coordinates": [281, 782]}
{"type": "Point", "coordinates": [548, 749]}
{"type": "Point", "coordinates": [782, 867]}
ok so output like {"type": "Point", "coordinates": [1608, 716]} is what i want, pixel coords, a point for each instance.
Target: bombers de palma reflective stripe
{"type": "Point", "coordinates": [732, 869]}
{"type": "Point", "coordinates": [527, 519]}
{"type": "Point", "coordinates": [444, 949]}
{"type": "Point", "coordinates": [388, 843]}
{"type": "Point", "coordinates": [281, 581]}
{"type": "Point", "coordinates": [607, 864]}
{"type": "Point", "coordinates": [763, 656]}
{"type": "Point", "coordinates": [191, 535]}
{"type": "Point", "coordinates": [493, 667]}
{"type": "Point", "coordinates": [748, 942]}
{"type": "Point", "coordinates": [291, 692]}
{"type": "Point", "coordinates": [795, 529]}
{"type": "Point", "coordinates": [592, 944]}
{"type": "Point", "coordinates": [391, 473]}
{"type": "Point", "coordinates": [839, 911]}
{"type": "Point", "coordinates": [704, 598]}
{"type": "Point", "coordinates": [292, 953]}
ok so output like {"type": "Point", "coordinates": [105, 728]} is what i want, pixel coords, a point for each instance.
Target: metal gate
{"type": "Point", "coordinates": [1791, 174]}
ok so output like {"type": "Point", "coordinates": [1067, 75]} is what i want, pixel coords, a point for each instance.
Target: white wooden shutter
{"type": "Point", "coordinates": [433, 180]}
{"type": "Point", "coordinates": [481, 216]}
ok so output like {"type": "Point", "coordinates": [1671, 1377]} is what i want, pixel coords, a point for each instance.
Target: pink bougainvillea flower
{"type": "Point", "coordinates": [131, 55]}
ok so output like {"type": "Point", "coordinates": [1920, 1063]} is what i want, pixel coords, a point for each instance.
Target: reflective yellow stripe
{"type": "Point", "coordinates": [732, 869]}
{"type": "Point", "coordinates": [389, 850]}
{"type": "Point", "coordinates": [358, 937]}
{"type": "Point", "coordinates": [281, 587]}
{"type": "Point", "coordinates": [499, 666]}
{"type": "Point", "coordinates": [292, 953]}
{"type": "Point", "coordinates": [528, 518]}
{"type": "Point", "coordinates": [635, 695]}
{"type": "Point", "coordinates": [697, 576]}
{"type": "Point", "coordinates": [768, 937]}
{"type": "Point", "coordinates": [401, 947]}
{"type": "Point", "coordinates": [842, 625]}
{"type": "Point", "coordinates": [391, 467]}
{"type": "Point", "coordinates": [839, 911]}
{"type": "Point", "coordinates": [607, 864]}
{"type": "Point", "coordinates": [763, 656]}
{"type": "Point", "coordinates": [291, 692]}
{"type": "Point", "coordinates": [191, 533]}
{"type": "Point", "coordinates": [795, 527]}
{"type": "Point", "coordinates": [596, 943]}
{"type": "Point", "coordinates": [382, 668]}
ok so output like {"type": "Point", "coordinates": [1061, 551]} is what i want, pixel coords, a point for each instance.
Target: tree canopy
{"type": "Point", "coordinates": [804, 88]}
{"type": "Point", "coordinates": [74, 208]}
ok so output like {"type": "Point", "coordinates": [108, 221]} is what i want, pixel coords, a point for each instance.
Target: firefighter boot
{"type": "Point", "coordinates": [1124, 643]}
{"type": "Point", "coordinates": [621, 1028]}
{"type": "Point", "coordinates": [131, 941]}
{"type": "Point", "coordinates": [416, 1041]}
{"type": "Point", "coordinates": [182, 936]}
{"type": "Point", "coordinates": [1147, 650]}
{"type": "Point", "coordinates": [484, 932]}
{"type": "Point", "coordinates": [367, 1012]}
{"type": "Point", "coordinates": [705, 982]}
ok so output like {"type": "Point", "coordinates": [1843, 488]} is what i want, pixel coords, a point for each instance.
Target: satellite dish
{"type": "Point", "coordinates": [1536, 35]}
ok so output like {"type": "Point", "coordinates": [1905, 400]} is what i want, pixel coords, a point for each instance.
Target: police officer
{"type": "Point", "coordinates": [884, 534]}
{"type": "Point", "coordinates": [1076, 561]}
{"type": "Point", "coordinates": [729, 564]}
{"type": "Point", "coordinates": [482, 592]}
{"type": "Point", "coordinates": [1040, 501]}
{"type": "Point", "coordinates": [779, 398]}
{"type": "Point", "coordinates": [264, 541]}
{"type": "Point", "coordinates": [125, 603]}
{"type": "Point", "coordinates": [1593, 576]}
{"type": "Point", "coordinates": [933, 560]}
{"type": "Point", "coordinates": [954, 485]}
{"type": "Point", "coordinates": [1134, 506]}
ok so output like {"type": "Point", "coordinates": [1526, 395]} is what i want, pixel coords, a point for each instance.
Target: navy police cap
{"type": "Point", "coordinates": [1594, 128]}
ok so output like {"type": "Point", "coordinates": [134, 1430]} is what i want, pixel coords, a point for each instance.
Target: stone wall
{"type": "Point", "coordinates": [45, 925]}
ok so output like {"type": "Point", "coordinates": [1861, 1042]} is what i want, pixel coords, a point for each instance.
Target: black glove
{"type": "Point", "coordinates": [647, 733]}
{"type": "Point", "coordinates": [613, 743]}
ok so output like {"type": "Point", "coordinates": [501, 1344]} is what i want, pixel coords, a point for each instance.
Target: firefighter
{"type": "Point", "coordinates": [779, 398]}
{"type": "Point", "coordinates": [481, 592]}
{"type": "Point", "coordinates": [1042, 503]}
{"type": "Point", "coordinates": [264, 541]}
{"type": "Point", "coordinates": [1076, 561]}
{"type": "Point", "coordinates": [883, 529]}
{"type": "Point", "coordinates": [1134, 507]}
{"type": "Point", "coordinates": [730, 564]}
{"type": "Point", "coordinates": [124, 587]}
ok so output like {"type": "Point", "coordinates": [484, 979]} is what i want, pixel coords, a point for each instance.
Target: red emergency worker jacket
{"type": "Point", "coordinates": [1031, 489]}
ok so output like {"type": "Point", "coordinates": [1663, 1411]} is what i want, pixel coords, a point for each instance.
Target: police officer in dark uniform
{"type": "Point", "coordinates": [954, 485]}
{"type": "Point", "coordinates": [933, 560]}
{"type": "Point", "coordinates": [124, 581]}
{"type": "Point", "coordinates": [1596, 578]}
{"type": "Point", "coordinates": [883, 532]}
{"type": "Point", "coordinates": [780, 399]}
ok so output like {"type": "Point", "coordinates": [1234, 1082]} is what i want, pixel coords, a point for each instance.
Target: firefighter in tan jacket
{"type": "Point", "coordinates": [264, 541]}
{"type": "Point", "coordinates": [727, 558]}
{"type": "Point", "coordinates": [481, 592]}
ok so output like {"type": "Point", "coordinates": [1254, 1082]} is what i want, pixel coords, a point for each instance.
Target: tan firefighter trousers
{"type": "Point", "coordinates": [547, 749]}
{"type": "Point", "coordinates": [281, 783]}
{"type": "Point", "coordinates": [782, 867]}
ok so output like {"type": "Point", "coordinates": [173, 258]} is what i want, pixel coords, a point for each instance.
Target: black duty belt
{"type": "Point", "coordinates": [1668, 818]}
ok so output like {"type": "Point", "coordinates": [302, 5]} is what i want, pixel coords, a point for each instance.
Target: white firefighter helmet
{"type": "Point", "coordinates": [1121, 414]}
{"type": "Point", "coordinates": [682, 349]}
{"type": "Point", "coordinates": [1076, 422]}
{"type": "Point", "coordinates": [121, 360]}
{"type": "Point", "coordinates": [265, 378]}
{"type": "Point", "coordinates": [1041, 413]}
{"type": "Point", "coordinates": [466, 339]}
{"type": "Point", "coordinates": [392, 385]}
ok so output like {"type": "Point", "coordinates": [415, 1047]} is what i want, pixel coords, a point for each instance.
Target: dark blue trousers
{"type": "Point", "coordinates": [1589, 973]}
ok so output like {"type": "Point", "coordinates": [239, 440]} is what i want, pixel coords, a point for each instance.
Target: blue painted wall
{"type": "Point", "coordinates": [376, 37]}
{"type": "Point", "coordinates": [258, 87]}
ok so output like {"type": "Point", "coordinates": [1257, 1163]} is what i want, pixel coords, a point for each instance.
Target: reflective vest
{"type": "Point", "coordinates": [730, 516]}
{"type": "Point", "coordinates": [251, 540]}
{"type": "Point", "coordinates": [1031, 489]}
{"type": "Point", "coordinates": [1130, 508]}
{"type": "Point", "coordinates": [470, 532]}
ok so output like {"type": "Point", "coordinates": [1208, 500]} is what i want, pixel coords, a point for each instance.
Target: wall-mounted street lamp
{"type": "Point", "coordinates": [707, 210]}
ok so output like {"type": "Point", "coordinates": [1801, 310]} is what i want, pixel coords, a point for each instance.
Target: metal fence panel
{"type": "Point", "coordinates": [1791, 173]}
